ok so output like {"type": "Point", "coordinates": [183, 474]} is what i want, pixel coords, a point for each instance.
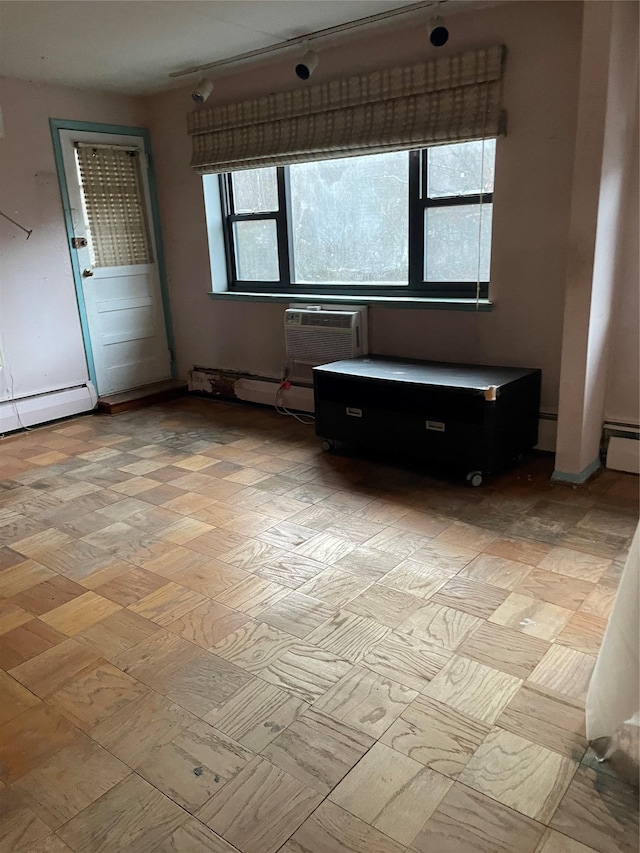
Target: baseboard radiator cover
{"type": "Point", "coordinates": [621, 447]}
{"type": "Point", "coordinates": [42, 408]}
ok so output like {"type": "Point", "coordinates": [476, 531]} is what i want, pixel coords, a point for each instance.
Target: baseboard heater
{"type": "Point", "coordinates": [621, 447]}
{"type": "Point", "coordinates": [233, 385]}
{"type": "Point", "coordinates": [50, 406]}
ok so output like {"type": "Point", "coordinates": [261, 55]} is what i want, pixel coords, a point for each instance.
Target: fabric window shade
{"type": "Point", "coordinates": [449, 99]}
{"type": "Point", "coordinates": [114, 205]}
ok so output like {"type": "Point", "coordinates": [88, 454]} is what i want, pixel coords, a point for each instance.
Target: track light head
{"type": "Point", "coordinates": [307, 65]}
{"type": "Point", "coordinates": [438, 33]}
{"type": "Point", "coordinates": [202, 90]}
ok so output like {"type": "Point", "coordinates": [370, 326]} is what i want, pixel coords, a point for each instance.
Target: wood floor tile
{"type": "Point", "coordinates": [22, 576]}
{"type": "Point", "coordinates": [349, 526]}
{"type": "Point", "coordinates": [600, 601]}
{"type": "Point", "coordinates": [253, 646]}
{"type": "Point", "coordinates": [318, 750]}
{"type": "Point", "coordinates": [250, 554]}
{"type": "Point", "coordinates": [584, 633]}
{"type": "Point", "coordinates": [600, 811]}
{"type": "Point", "coordinates": [384, 605]}
{"type": "Point", "coordinates": [382, 512]}
{"type": "Point", "coordinates": [326, 548]}
{"type": "Point", "coordinates": [194, 765]}
{"type": "Point", "coordinates": [286, 535]}
{"type": "Point", "coordinates": [436, 735]}
{"type": "Point", "coordinates": [80, 613]}
{"type": "Point", "coordinates": [332, 828]}
{"type": "Point", "coordinates": [256, 714]}
{"type": "Point", "coordinates": [555, 588]}
{"type": "Point", "coordinates": [259, 809]}
{"type": "Point", "coordinates": [473, 688]}
{"type": "Point", "coordinates": [466, 821]}
{"type": "Point", "coordinates": [167, 603]}
{"type": "Point", "coordinates": [41, 542]}
{"type": "Point", "coordinates": [530, 616]}
{"type": "Point", "coordinates": [69, 781]}
{"type": "Point", "coordinates": [497, 571]}
{"type": "Point", "coordinates": [130, 586]}
{"type": "Point", "coordinates": [50, 844]}
{"type": "Point", "coordinates": [401, 543]}
{"type": "Point", "coordinates": [444, 556]}
{"type": "Point", "coordinates": [368, 563]}
{"type": "Point", "coordinates": [26, 642]}
{"type": "Point", "coordinates": [409, 661]}
{"type": "Point", "coordinates": [156, 659]}
{"type": "Point", "coordinates": [575, 564]}
{"type": "Point", "coordinates": [51, 669]}
{"type": "Point", "coordinates": [252, 595]}
{"type": "Point", "coordinates": [12, 616]}
{"type": "Point", "coordinates": [212, 578]}
{"type": "Point", "coordinates": [30, 738]}
{"type": "Point", "coordinates": [521, 775]}
{"type": "Point", "coordinates": [416, 578]}
{"type": "Point", "coordinates": [117, 633]}
{"type": "Point", "coordinates": [208, 624]}
{"type": "Point", "coordinates": [392, 792]}
{"type": "Point", "coordinates": [478, 599]}
{"type": "Point", "coordinates": [289, 569]}
{"type": "Point", "coordinates": [349, 636]}
{"type": "Point", "coordinates": [306, 671]}
{"type": "Point", "coordinates": [334, 586]}
{"type": "Point", "coordinates": [14, 698]}
{"type": "Point", "coordinates": [174, 561]}
{"type": "Point", "coordinates": [564, 670]}
{"type": "Point", "coordinates": [94, 695]}
{"type": "Point", "coordinates": [504, 649]}
{"type": "Point", "coordinates": [467, 535]}
{"type": "Point", "coordinates": [527, 551]}
{"type": "Point", "coordinates": [365, 700]}
{"type": "Point", "coordinates": [298, 614]}
{"type": "Point", "coordinates": [423, 523]}
{"type": "Point", "coordinates": [555, 842]}
{"type": "Point", "coordinates": [205, 683]}
{"type": "Point", "coordinates": [194, 837]}
{"type": "Point", "coordinates": [441, 626]}
{"type": "Point", "coordinates": [133, 815]}
{"type": "Point", "coordinates": [20, 828]}
{"type": "Point", "coordinates": [136, 729]}
{"type": "Point", "coordinates": [548, 719]}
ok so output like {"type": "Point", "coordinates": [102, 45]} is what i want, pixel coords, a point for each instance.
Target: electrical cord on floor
{"type": "Point", "coordinates": [307, 420]}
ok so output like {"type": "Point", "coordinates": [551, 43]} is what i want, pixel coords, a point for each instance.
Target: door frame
{"type": "Point", "coordinates": [56, 125]}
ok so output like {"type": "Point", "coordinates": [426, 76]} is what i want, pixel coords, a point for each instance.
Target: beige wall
{"type": "Point", "coordinates": [532, 200]}
{"type": "Point", "coordinates": [40, 336]}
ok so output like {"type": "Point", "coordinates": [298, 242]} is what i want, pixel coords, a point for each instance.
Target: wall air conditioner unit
{"type": "Point", "coordinates": [319, 336]}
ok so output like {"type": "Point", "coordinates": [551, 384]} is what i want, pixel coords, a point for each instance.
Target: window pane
{"type": "Point", "coordinates": [350, 220]}
{"type": "Point", "coordinates": [457, 169]}
{"type": "Point", "coordinates": [453, 240]}
{"type": "Point", "coordinates": [256, 245]}
{"type": "Point", "coordinates": [114, 206]}
{"type": "Point", "coordinates": [255, 190]}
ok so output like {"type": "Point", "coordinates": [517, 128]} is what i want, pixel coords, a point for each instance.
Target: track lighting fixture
{"type": "Point", "coordinates": [438, 33]}
{"type": "Point", "coordinates": [307, 65]}
{"type": "Point", "coordinates": [202, 90]}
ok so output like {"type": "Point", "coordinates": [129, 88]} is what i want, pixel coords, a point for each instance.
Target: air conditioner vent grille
{"type": "Point", "coordinates": [332, 321]}
{"type": "Point", "coordinates": [322, 348]}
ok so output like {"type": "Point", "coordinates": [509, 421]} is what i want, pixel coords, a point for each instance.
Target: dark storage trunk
{"type": "Point", "coordinates": [468, 418]}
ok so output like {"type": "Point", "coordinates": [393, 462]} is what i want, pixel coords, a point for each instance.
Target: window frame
{"type": "Point", "coordinates": [416, 287]}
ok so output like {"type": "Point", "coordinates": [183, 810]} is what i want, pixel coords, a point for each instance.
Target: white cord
{"type": "Point", "coordinates": [281, 409]}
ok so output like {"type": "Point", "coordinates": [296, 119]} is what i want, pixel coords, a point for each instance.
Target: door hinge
{"type": "Point", "coordinates": [79, 242]}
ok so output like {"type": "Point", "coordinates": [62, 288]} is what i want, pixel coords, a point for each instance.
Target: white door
{"type": "Point", "coordinates": [107, 182]}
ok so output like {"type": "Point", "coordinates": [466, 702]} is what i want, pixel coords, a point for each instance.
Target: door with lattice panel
{"type": "Point", "coordinates": [113, 236]}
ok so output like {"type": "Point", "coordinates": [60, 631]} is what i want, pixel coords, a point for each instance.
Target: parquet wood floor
{"type": "Point", "coordinates": [214, 637]}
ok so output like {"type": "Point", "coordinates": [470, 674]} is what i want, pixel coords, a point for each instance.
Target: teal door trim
{"type": "Point", "coordinates": [57, 125]}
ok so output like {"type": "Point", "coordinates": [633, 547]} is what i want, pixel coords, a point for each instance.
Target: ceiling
{"type": "Point", "coordinates": [131, 46]}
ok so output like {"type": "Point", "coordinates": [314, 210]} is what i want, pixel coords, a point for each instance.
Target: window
{"type": "Point", "coordinates": [404, 223]}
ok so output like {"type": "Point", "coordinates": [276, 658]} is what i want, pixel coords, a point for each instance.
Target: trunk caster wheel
{"type": "Point", "coordinates": [326, 445]}
{"type": "Point", "coordinates": [474, 478]}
